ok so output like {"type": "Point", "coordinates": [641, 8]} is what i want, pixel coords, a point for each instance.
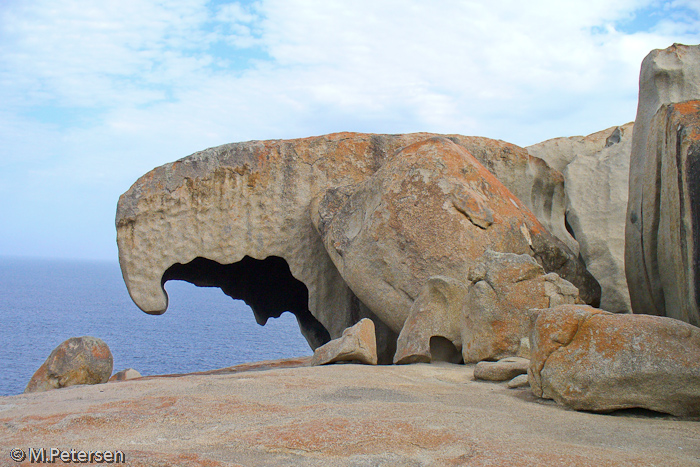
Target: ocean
{"type": "Point", "coordinates": [44, 302]}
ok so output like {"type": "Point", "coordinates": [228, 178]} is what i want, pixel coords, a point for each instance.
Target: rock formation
{"type": "Point", "coordinates": [596, 173]}
{"type": "Point", "coordinates": [483, 317]}
{"type": "Point", "coordinates": [78, 360]}
{"type": "Point", "coordinates": [357, 344]}
{"type": "Point", "coordinates": [662, 238]}
{"type": "Point", "coordinates": [589, 359]}
{"type": "Point", "coordinates": [237, 217]}
{"type": "Point", "coordinates": [432, 210]}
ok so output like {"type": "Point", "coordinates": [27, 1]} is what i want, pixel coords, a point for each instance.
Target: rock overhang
{"type": "Point", "coordinates": [256, 200]}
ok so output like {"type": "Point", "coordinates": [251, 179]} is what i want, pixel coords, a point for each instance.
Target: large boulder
{"type": "Point", "coordinates": [78, 360]}
{"type": "Point", "coordinates": [661, 232]}
{"type": "Point", "coordinates": [237, 217]}
{"type": "Point", "coordinates": [596, 173]}
{"type": "Point", "coordinates": [590, 359]}
{"type": "Point", "coordinates": [484, 317]}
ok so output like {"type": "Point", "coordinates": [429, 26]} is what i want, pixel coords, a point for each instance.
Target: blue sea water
{"type": "Point", "coordinates": [44, 302]}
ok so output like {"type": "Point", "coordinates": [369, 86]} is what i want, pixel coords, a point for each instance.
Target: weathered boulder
{"type": "Point", "coordinates": [661, 234]}
{"type": "Point", "coordinates": [590, 359]}
{"type": "Point", "coordinates": [596, 174]}
{"type": "Point", "coordinates": [237, 217]}
{"type": "Point", "coordinates": [432, 210]}
{"type": "Point", "coordinates": [484, 317]}
{"type": "Point", "coordinates": [78, 360]}
{"type": "Point", "coordinates": [539, 186]}
{"type": "Point", "coordinates": [504, 369]}
{"type": "Point", "coordinates": [125, 375]}
{"type": "Point", "coordinates": [357, 344]}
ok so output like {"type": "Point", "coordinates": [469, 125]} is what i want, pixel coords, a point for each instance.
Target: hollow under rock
{"type": "Point", "coordinates": [266, 286]}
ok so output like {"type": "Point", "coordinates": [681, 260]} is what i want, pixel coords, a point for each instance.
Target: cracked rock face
{"type": "Point", "coordinates": [661, 233]}
{"type": "Point", "coordinates": [589, 359]}
{"type": "Point", "coordinates": [237, 217]}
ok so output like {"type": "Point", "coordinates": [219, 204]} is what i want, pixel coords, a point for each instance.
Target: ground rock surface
{"type": "Point", "coordinates": [337, 415]}
{"type": "Point", "coordinates": [657, 246]}
{"type": "Point", "coordinates": [78, 360]}
{"type": "Point", "coordinates": [596, 177]}
{"type": "Point", "coordinates": [589, 359]}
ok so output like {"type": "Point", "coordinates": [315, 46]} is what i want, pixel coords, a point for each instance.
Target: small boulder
{"type": "Point", "coordinates": [125, 375]}
{"type": "Point", "coordinates": [358, 343]}
{"type": "Point", "coordinates": [589, 359]}
{"type": "Point", "coordinates": [519, 381]}
{"type": "Point", "coordinates": [78, 360]}
{"type": "Point", "coordinates": [503, 370]}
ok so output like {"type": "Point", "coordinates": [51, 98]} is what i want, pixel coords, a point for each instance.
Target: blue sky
{"type": "Point", "coordinates": [94, 94]}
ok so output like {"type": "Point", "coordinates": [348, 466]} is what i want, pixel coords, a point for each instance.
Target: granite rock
{"type": "Point", "coordinates": [520, 381]}
{"type": "Point", "coordinates": [596, 173]}
{"type": "Point", "coordinates": [590, 359]}
{"type": "Point", "coordinates": [357, 344]}
{"type": "Point", "coordinates": [78, 360]}
{"type": "Point", "coordinates": [661, 240]}
{"type": "Point", "coordinates": [504, 369]}
{"type": "Point", "coordinates": [432, 210]}
{"type": "Point", "coordinates": [484, 317]}
{"type": "Point", "coordinates": [125, 375]}
{"type": "Point", "coordinates": [237, 217]}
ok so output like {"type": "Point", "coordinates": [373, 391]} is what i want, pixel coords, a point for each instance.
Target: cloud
{"type": "Point", "coordinates": [95, 94]}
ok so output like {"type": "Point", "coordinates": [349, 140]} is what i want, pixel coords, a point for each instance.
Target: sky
{"type": "Point", "coordinates": [95, 94]}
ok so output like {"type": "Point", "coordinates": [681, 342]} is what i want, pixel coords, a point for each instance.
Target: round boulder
{"type": "Point", "coordinates": [78, 360]}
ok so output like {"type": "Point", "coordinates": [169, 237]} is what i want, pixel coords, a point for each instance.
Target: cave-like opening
{"type": "Point", "coordinates": [267, 286]}
{"type": "Point", "coordinates": [443, 350]}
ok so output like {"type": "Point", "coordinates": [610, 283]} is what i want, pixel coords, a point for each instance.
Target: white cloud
{"type": "Point", "coordinates": [98, 93]}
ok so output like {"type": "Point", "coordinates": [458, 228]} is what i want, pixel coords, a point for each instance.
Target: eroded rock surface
{"type": "Point", "coordinates": [485, 316]}
{"type": "Point", "coordinates": [432, 210]}
{"type": "Point", "coordinates": [78, 360]}
{"type": "Point", "coordinates": [661, 240]}
{"type": "Point", "coordinates": [337, 415]}
{"type": "Point", "coordinates": [589, 359]}
{"type": "Point", "coordinates": [237, 217]}
{"type": "Point", "coordinates": [596, 177]}
{"type": "Point", "coordinates": [357, 344]}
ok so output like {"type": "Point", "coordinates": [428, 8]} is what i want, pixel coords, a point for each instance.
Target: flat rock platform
{"type": "Point", "coordinates": [285, 413]}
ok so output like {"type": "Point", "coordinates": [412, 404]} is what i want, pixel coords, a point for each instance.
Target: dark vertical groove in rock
{"type": "Point", "coordinates": [692, 169]}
